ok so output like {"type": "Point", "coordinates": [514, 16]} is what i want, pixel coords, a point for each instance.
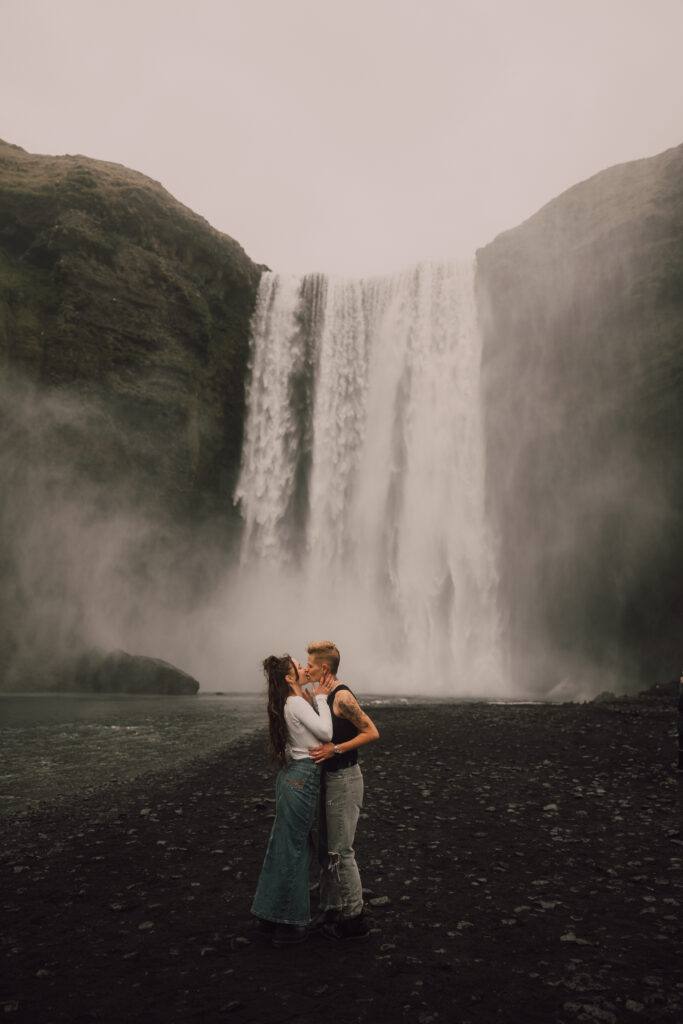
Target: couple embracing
{"type": "Point", "coordinates": [315, 726]}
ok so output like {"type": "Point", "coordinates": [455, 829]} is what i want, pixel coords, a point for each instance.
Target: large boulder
{"type": "Point", "coordinates": [120, 672]}
{"type": "Point", "coordinates": [582, 311]}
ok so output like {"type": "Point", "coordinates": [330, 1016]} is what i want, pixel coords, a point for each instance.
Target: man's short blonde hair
{"type": "Point", "coordinates": [325, 652]}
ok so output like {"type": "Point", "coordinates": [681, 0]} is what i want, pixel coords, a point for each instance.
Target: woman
{"type": "Point", "coordinates": [282, 901]}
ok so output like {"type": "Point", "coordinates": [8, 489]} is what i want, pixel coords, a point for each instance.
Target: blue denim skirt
{"type": "Point", "coordinates": [282, 893]}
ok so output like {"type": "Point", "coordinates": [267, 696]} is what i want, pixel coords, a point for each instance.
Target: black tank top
{"type": "Point", "coordinates": [342, 730]}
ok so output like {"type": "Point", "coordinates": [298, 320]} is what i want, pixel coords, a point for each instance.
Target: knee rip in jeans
{"type": "Point", "coordinates": [333, 863]}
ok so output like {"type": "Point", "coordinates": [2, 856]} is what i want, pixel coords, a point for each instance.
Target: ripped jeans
{"type": "Point", "coordinates": [340, 884]}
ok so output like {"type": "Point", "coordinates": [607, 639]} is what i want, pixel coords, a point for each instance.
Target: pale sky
{"type": "Point", "coordinates": [348, 136]}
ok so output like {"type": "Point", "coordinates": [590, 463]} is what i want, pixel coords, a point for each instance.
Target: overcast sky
{"type": "Point", "coordinates": [349, 136]}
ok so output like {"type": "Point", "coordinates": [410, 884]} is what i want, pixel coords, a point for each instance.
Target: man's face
{"type": "Point", "coordinates": [314, 671]}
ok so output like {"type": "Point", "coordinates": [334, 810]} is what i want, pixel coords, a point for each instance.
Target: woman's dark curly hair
{"type": "Point", "coordinates": [275, 669]}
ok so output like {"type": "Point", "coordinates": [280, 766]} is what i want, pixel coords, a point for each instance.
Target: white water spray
{"type": "Point", "coordinates": [362, 479]}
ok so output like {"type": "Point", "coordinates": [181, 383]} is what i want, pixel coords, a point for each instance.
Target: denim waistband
{"type": "Point", "coordinates": [290, 762]}
{"type": "Point", "coordinates": [338, 764]}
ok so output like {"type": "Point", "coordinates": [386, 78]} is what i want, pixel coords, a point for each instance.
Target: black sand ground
{"type": "Point", "coordinates": [525, 857]}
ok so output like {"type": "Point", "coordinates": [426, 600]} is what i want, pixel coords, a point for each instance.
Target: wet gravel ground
{"type": "Point", "coordinates": [521, 864]}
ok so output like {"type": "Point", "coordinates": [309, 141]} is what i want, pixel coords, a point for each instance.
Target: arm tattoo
{"type": "Point", "coordinates": [350, 709]}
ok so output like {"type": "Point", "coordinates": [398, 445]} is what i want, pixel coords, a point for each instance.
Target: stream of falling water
{"type": "Point", "coordinates": [362, 478]}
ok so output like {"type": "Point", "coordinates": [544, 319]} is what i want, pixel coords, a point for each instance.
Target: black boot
{"type": "Point", "coordinates": [264, 928]}
{"type": "Point", "coordinates": [323, 917]}
{"type": "Point", "coordinates": [289, 934]}
{"type": "Point", "coordinates": [348, 928]}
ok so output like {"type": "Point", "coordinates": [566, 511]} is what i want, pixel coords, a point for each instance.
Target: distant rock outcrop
{"type": "Point", "coordinates": [583, 368]}
{"type": "Point", "coordinates": [113, 292]}
{"type": "Point", "coordinates": [120, 672]}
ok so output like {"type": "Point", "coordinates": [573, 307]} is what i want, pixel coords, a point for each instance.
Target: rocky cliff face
{"type": "Point", "coordinates": [124, 332]}
{"type": "Point", "coordinates": [582, 307]}
{"type": "Point", "coordinates": [113, 292]}
{"type": "Point", "coordinates": [124, 337]}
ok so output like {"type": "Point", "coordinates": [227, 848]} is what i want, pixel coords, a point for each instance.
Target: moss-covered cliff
{"type": "Point", "coordinates": [582, 307]}
{"type": "Point", "coordinates": [124, 338]}
{"type": "Point", "coordinates": [113, 291]}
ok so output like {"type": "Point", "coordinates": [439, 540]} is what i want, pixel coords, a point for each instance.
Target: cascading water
{"type": "Point", "coordinates": [362, 479]}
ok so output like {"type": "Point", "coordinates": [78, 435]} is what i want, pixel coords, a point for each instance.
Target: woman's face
{"type": "Point", "coordinates": [298, 673]}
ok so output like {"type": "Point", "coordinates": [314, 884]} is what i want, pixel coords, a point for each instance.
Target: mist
{"type": "Point", "coordinates": [94, 565]}
{"type": "Point", "coordinates": [583, 472]}
{"type": "Point", "coordinates": [88, 563]}
{"type": "Point", "coordinates": [470, 492]}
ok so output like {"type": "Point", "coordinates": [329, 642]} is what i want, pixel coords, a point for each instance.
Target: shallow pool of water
{"type": "Point", "coordinates": [56, 746]}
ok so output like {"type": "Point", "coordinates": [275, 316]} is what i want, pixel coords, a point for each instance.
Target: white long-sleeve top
{"type": "Point", "coordinates": [304, 728]}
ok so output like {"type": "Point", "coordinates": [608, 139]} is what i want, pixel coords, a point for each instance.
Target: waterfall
{"type": "Point", "coordinates": [362, 477]}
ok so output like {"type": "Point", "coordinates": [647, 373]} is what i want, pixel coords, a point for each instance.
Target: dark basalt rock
{"type": "Point", "coordinates": [120, 672]}
{"type": "Point", "coordinates": [583, 361]}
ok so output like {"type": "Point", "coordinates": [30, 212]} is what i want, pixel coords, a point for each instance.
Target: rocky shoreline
{"type": "Point", "coordinates": [522, 863]}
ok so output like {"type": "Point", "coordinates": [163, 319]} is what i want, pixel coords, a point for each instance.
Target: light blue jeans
{"type": "Point", "coordinates": [282, 893]}
{"type": "Point", "coordinates": [340, 884]}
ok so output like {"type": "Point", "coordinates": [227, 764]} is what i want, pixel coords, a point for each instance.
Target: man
{"type": "Point", "coordinates": [341, 892]}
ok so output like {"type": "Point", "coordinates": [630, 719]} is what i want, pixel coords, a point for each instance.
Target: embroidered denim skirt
{"type": "Point", "coordinates": [282, 893]}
